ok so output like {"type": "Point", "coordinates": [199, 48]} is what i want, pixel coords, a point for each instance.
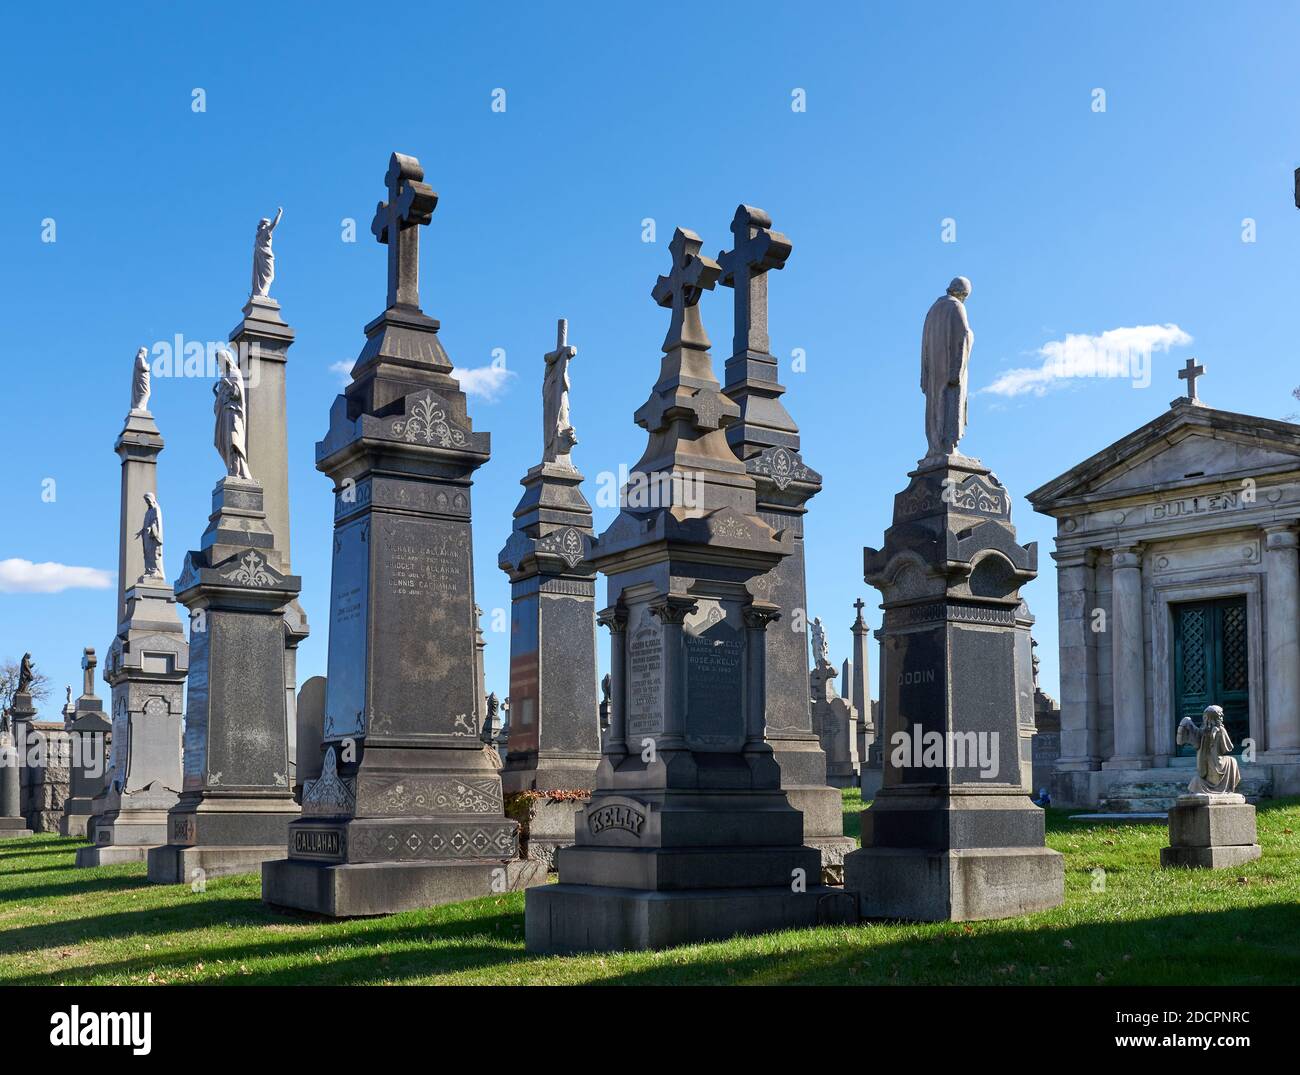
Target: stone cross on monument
{"type": "Point", "coordinates": [758, 249]}
{"type": "Point", "coordinates": [692, 274]}
{"type": "Point", "coordinates": [1190, 373]}
{"type": "Point", "coordinates": [411, 202]}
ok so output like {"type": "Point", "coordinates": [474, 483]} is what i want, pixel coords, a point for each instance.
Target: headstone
{"type": "Point", "coordinates": [262, 341]}
{"type": "Point", "coordinates": [952, 834]}
{"type": "Point", "coordinates": [688, 836]}
{"type": "Point", "coordinates": [310, 717]}
{"type": "Point", "coordinates": [836, 723]}
{"type": "Point", "coordinates": [766, 439]}
{"type": "Point", "coordinates": [89, 734]}
{"type": "Point", "coordinates": [236, 800]}
{"type": "Point", "coordinates": [555, 738]}
{"type": "Point", "coordinates": [408, 810]}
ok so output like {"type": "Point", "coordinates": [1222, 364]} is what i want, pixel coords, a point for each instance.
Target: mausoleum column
{"type": "Point", "coordinates": [1075, 600]}
{"type": "Point", "coordinates": [1128, 671]}
{"type": "Point", "coordinates": [1282, 638]}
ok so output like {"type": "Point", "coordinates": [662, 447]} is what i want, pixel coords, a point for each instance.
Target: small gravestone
{"type": "Point", "coordinates": [310, 726]}
{"type": "Point", "coordinates": [688, 836]}
{"type": "Point", "coordinates": [89, 734]}
{"type": "Point", "coordinates": [554, 744]}
{"type": "Point", "coordinates": [834, 718]}
{"type": "Point", "coordinates": [408, 810]}
{"type": "Point", "coordinates": [236, 800]}
{"type": "Point", "coordinates": [952, 834]}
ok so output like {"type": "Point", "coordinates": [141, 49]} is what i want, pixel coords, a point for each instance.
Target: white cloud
{"type": "Point", "coordinates": [1115, 353]}
{"type": "Point", "coordinates": [486, 382]}
{"type": "Point", "coordinates": [23, 576]}
{"type": "Point", "coordinates": [343, 371]}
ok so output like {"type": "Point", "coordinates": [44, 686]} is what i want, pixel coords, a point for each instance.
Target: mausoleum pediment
{"type": "Point", "coordinates": [1187, 446]}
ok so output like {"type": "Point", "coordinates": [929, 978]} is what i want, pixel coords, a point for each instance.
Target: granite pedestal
{"type": "Point", "coordinates": [1211, 832]}
{"type": "Point", "coordinates": [236, 801]}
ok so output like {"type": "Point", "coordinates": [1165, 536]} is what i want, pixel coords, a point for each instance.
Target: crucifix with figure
{"type": "Point", "coordinates": [411, 203]}
{"type": "Point", "coordinates": [692, 275]}
{"type": "Point", "coordinates": [758, 250]}
{"type": "Point", "coordinates": [1190, 373]}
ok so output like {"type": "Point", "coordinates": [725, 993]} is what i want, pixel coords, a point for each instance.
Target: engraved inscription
{"type": "Point", "coordinates": [645, 674]}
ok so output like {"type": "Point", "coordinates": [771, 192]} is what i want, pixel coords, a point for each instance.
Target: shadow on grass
{"type": "Point", "coordinates": [73, 886]}
{"type": "Point", "coordinates": [417, 949]}
{"type": "Point", "coordinates": [1256, 945]}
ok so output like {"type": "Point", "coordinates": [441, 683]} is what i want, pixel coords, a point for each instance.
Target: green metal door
{"type": "Point", "coordinates": [1211, 664]}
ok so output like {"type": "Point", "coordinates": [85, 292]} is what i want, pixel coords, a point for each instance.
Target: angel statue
{"type": "Point", "coordinates": [263, 257]}
{"type": "Point", "coordinates": [231, 410]}
{"type": "Point", "coordinates": [1217, 772]}
{"type": "Point", "coordinates": [151, 534]}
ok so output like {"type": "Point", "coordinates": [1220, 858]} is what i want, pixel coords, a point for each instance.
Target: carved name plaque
{"type": "Point", "coordinates": [317, 843]}
{"type": "Point", "coordinates": [345, 701]}
{"type": "Point", "coordinates": [645, 681]}
{"type": "Point", "coordinates": [715, 659]}
{"type": "Point", "coordinates": [1196, 505]}
{"type": "Point", "coordinates": [619, 815]}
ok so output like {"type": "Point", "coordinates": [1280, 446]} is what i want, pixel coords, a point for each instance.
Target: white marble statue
{"type": "Point", "coordinates": [231, 412]}
{"type": "Point", "coordinates": [946, 342]}
{"type": "Point", "coordinates": [140, 381]}
{"type": "Point", "coordinates": [151, 535]}
{"type": "Point", "coordinates": [263, 257]}
{"type": "Point", "coordinates": [821, 650]}
{"type": "Point", "coordinates": [1217, 772]}
{"type": "Point", "coordinates": [560, 435]}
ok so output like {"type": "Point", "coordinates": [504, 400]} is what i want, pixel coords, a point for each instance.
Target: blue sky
{"type": "Point", "coordinates": [1069, 221]}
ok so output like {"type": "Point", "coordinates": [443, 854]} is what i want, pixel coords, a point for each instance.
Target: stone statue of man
{"type": "Point", "coordinates": [26, 673]}
{"type": "Point", "coordinates": [1217, 772]}
{"type": "Point", "coordinates": [560, 435]}
{"type": "Point", "coordinates": [263, 257]}
{"type": "Point", "coordinates": [140, 381]}
{"type": "Point", "coordinates": [151, 535]}
{"type": "Point", "coordinates": [946, 342]}
{"type": "Point", "coordinates": [231, 412]}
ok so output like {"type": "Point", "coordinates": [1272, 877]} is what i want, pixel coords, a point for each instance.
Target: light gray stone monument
{"type": "Point", "coordinates": [766, 439]}
{"type": "Point", "coordinates": [1212, 826]}
{"type": "Point", "coordinates": [835, 721]}
{"type": "Point", "coordinates": [146, 668]}
{"type": "Point", "coordinates": [237, 798]}
{"type": "Point", "coordinates": [408, 810]}
{"type": "Point", "coordinates": [89, 734]}
{"type": "Point", "coordinates": [688, 836]}
{"type": "Point", "coordinates": [310, 728]}
{"type": "Point", "coordinates": [554, 742]}
{"type": "Point", "coordinates": [12, 823]}
{"type": "Point", "coordinates": [262, 341]}
{"type": "Point", "coordinates": [952, 834]}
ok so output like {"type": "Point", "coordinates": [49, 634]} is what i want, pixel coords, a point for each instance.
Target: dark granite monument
{"type": "Point", "coordinates": [408, 809]}
{"type": "Point", "coordinates": [952, 835]}
{"type": "Point", "coordinates": [766, 439]}
{"type": "Point", "coordinates": [89, 733]}
{"type": "Point", "coordinates": [688, 836]}
{"type": "Point", "coordinates": [12, 822]}
{"type": "Point", "coordinates": [236, 800]}
{"type": "Point", "coordinates": [554, 742]}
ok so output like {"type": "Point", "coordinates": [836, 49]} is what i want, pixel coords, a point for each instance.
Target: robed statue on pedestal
{"type": "Point", "coordinates": [946, 342]}
{"type": "Point", "coordinates": [231, 411]}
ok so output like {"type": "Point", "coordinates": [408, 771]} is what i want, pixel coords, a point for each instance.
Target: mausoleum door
{"type": "Point", "coordinates": [1211, 662]}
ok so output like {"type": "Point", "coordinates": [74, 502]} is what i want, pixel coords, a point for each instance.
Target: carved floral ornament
{"type": "Point", "coordinates": [427, 423]}
{"type": "Point", "coordinates": [251, 570]}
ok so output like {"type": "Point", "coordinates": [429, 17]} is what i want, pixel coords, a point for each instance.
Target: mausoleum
{"type": "Point", "coordinates": [1178, 587]}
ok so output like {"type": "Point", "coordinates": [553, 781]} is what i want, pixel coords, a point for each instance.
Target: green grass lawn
{"type": "Point", "coordinates": [1136, 924]}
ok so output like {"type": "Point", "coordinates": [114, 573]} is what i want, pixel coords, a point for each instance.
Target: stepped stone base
{"type": "Point", "coordinates": [918, 885]}
{"type": "Point", "coordinates": [111, 855]}
{"type": "Point", "coordinates": [589, 918]}
{"type": "Point", "coordinates": [550, 827]}
{"type": "Point", "coordinates": [823, 827]}
{"type": "Point", "coordinates": [174, 865]}
{"type": "Point", "coordinates": [361, 889]}
{"type": "Point", "coordinates": [125, 837]}
{"type": "Point", "coordinates": [1211, 832]}
{"type": "Point", "coordinates": [1156, 790]}
{"type": "Point", "coordinates": [13, 828]}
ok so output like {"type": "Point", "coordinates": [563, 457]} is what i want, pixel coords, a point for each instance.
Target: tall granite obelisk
{"type": "Point", "coordinates": [262, 340]}
{"type": "Point", "coordinates": [554, 743]}
{"type": "Point", "coordinates": [766, 439]}
{"type": "Point", "coordinates": [237, 799]}
{"type": "Point", "coordinates": [688, 836]}
{"type": "Point", "coordinates": [952, 834]}
{"type": "Point", "coordinates": [408, 809]}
